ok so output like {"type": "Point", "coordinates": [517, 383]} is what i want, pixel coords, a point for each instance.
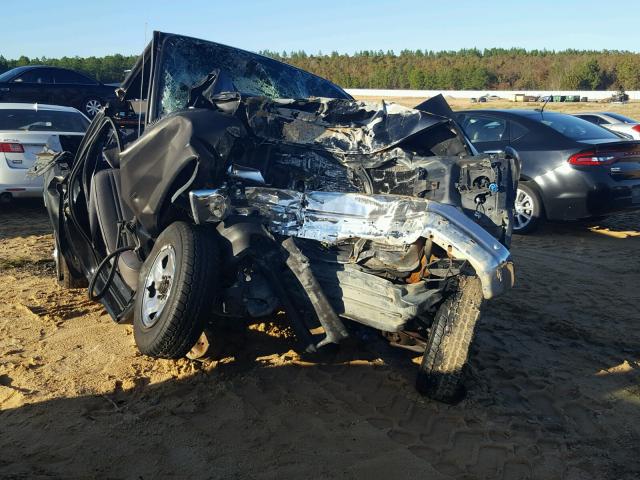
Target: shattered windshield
{"type": "Point", "coordinates": [187, 61]}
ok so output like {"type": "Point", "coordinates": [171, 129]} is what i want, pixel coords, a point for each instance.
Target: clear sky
{"type": "Point", "coordinates": [90, 27]}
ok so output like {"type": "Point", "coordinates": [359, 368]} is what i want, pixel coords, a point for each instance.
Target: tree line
{"type": "Point", "coordinates": [107, 69]}
{"type": "Point", "coordinates": [467, 69]}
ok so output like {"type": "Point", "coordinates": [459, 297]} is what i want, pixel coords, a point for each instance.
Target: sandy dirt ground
{"type": "Point", "coordinates": [553, 392]}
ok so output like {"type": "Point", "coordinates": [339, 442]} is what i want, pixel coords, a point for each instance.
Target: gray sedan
{"type": "Point", "coordinates": [571, 169]}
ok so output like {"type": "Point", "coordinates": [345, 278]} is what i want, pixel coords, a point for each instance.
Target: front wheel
{"type": "Point", "coordinates": [441, 372]}
{"type": "Point", "coordinates": [177, 288]}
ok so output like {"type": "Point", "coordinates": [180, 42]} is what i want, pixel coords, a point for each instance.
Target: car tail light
{"type": "Point", "coordinates": [11, 147]}
{"type": "Point", "coordinates": [605, 157]}
{"type": "Point", "coordinates": [636, 128]}
{"type": "Point", "coordinates": [592, 158]}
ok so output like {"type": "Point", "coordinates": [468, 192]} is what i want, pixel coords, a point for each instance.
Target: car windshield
{"type": "Point", "coordinates": [621, 118]}
{"type": "Point", "coordinates": [187, 61]}
{"type": "Point", "coordinates": [42, 121]}
{"type": "Point", "coordinates": [575, 128]}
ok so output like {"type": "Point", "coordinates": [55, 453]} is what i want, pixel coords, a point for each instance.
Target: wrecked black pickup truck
{"type": "Point", "coordinates": [227, 184]}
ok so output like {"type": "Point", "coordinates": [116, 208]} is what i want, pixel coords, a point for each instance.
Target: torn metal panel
{"type": "Point", "coordinates": [332, 217]}
{"type": "Point", "coordinates": [436, 105]}
{"type": "Point", "coordinates": [299, 265]}
{"type": "Point", "coordinates": [171, 155]}
{"type": "Point", "coordinates": [348, 147]}
{"type": "Point", "coordinates": [372, 300]}
{"type": "Point", "coordinates": [393, 220]}
{"type": "Point", "coordinates": [347, 127]}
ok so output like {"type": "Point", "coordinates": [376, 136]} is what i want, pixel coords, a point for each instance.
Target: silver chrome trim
{"type": "Point", "coordinates": [332, 217]}
{"type": "Point", "coordinates": [209, 205]}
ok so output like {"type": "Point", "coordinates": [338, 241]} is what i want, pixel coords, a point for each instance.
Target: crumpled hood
{"type": "Point", "coordinates": [317, 143]}
{"type": "Point", "coordinates": [336, 125]}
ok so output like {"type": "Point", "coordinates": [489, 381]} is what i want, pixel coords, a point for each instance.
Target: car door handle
{"type": "Point", "coordinates": [5, 89]}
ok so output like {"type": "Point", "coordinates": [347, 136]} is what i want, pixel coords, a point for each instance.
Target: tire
{"type": "Point", "coordinates": [441, 372]}
{"type": "Point", "coordinates": [91, 106]}
{"type": "Point", "coordinates": [183, 297]}
{"type": "Point", "coordinates": [65, 276]}
{"type": "Point", "coordinates": [528, 204]}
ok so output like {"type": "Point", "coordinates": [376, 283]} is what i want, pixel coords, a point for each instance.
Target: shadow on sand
{"type": "Point", "coordinates": [265, 413]}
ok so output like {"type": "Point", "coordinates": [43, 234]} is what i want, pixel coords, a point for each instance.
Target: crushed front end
{"type": "Point", "coordinates": [388, 204]}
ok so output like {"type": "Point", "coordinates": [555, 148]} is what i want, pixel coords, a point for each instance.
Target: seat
{"type": "Point", "coordinates": [106, 211]}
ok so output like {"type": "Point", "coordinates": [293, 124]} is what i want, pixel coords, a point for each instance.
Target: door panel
{"type": "Point", "coordinates": [33, 86]}
{"type": "Point", "coordinates": [70, 88]}
{"type": "Point", "coordinates": [20, 93]}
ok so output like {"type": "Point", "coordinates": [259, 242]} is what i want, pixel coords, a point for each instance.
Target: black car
{"type": "Point", "coordinates": [54, 86]}
{"type": "Point", "coordinates": [571, 169]}
{"type": "Point", "coordinates": [252, 186]}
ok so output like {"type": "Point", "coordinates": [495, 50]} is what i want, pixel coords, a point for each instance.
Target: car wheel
{"type": "Point", "coordinates": [528, 211]}
{"type": "Point", "coordinates": [65, 276]}
{"type": "Point", "coordinates": [177, 288]}
{"type": "Point", "coordinates": [441, 373]}
{"type": "Point", "coordinates": [91, 106]}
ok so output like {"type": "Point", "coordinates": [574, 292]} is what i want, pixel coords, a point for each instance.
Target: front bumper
{"type": "Point", "coordinates": [332, 217]}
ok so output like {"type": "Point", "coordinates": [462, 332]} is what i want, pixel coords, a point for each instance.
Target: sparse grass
{"type": "Point", "coordinates": [24, 262]}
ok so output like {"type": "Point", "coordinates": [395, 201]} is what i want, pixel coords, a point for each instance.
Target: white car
{"type": "Point", "coordinates": [25, 129]}
{"type": "Point", "coordinates": [613, 121]}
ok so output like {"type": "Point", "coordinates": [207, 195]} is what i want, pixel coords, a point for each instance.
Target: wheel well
{"type": "Point", "coordinates": [174, 209]}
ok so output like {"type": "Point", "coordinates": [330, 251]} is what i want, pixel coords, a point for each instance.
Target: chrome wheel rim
{"type": "Point", "coordinates": [92, 107]}
{"type": "Point", "coordinates": [157, 285]}
{"type": "Point", "coordinates": [523, 214]}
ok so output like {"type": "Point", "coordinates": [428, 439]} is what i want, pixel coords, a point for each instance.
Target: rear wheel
{"type": "Point", "coordinates": [91, 106]}
{"type": "Point", "coordinates": [528, 213]}
{"type": "Point", "coordinates": [441, 373]}
{"type": "Point", "coordinates": [177, 288]}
